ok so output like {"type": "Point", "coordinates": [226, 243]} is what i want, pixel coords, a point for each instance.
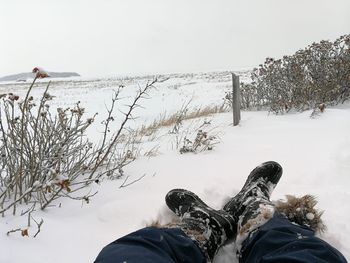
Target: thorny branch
{"type": "Point", "coordinates": [140, 95]}
{"type": "Point", "coordinates": [45, 154]}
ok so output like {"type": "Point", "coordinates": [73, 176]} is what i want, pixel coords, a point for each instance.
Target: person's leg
{"type": "Point", "coordinates": [252, 207]}
{"type": "Point", "coordinates": [194, 239]}
{"type": "Point", "coordinates": [209, 228]}
{"type": "Point", "coordinates": [264, 235]}
{"type": "Point", "coordinates": [279, 240]}
{"type": "Point", "coordinates": [216, 227]}
{"type": "Point", "coordinates": [151, 244]}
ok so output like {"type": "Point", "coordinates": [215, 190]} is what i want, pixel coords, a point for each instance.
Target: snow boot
{"type": "Point", "coordinates": [252, 207]}
{"type": "Point", "coordinates": [209, 228]}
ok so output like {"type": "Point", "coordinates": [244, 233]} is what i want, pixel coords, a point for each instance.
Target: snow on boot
{"type": "Point", "coordinates": [302, 211]}
{"type": "Point", "coordinates": [209, 228]}
{"type": "Point", "coordinates": [252, 207]}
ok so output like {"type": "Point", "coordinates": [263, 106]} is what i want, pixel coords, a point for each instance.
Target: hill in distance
{"type": "Point", "coordinates": [29, 75]}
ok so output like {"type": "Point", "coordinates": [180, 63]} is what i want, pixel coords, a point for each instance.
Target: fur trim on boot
{"type": "Point", "coordinates": [302, 211]}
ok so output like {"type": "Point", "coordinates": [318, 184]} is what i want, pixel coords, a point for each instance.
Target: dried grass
{"type": "Point", "coordinates": [169, 120]}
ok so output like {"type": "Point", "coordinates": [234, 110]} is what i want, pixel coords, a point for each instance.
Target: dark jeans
{"type": "Point", "coordinates": [281, 241]}
{"type": "Point", "coordinates": [277, 241]}
{"type": "Point", "coordinates": [156, 245]}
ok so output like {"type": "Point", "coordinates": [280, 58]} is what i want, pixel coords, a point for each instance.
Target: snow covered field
{"type": "Point", "coordinates": [314, 153]}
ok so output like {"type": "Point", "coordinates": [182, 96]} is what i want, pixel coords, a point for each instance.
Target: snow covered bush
{"type": "Point", "coordinates": [314, 75]}
{"type": "Point", "coordinates": [202, 142]}
{"type": "Point", "coordinates": [249, 97]}
{"type": "Point", "coordinates": [318, 74]}
{"type": "Point", "coordinates": [197, 136]}
{"type": "Point", "coordinates": [45, 154]}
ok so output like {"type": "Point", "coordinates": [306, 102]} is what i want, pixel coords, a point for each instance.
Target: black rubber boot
{"type": "Point", "coordinates": [209, 228]}
{"type": "Point", "coordinates": [252, 207]}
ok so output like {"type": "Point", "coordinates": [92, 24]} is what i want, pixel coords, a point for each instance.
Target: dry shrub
{"type": "Point", "coordinates": [202, 142]}
{"type": "Point", "coordinates": [45, 154]}
{"type": "Point", "coordinates": [318, 74]}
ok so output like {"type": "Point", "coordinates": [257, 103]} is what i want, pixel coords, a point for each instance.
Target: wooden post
{"type": "Point", "coordinates": [236, 100]}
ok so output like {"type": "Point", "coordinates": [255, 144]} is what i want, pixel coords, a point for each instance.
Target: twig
{"type": "Point", "coordinates": [38, 225]}
{"type": "Point", "coordinates": [23, 109]}
{"type": "Point", "coordinates": [17, 200]}
{"type": "Point", "coordinates": [13, 230]}
{"type": "Point", "coordinates": [107, 122]}
{"type": "Point", "coordinates": [125, 185]}
{"type": "Point", "coordinates": [31, 209]}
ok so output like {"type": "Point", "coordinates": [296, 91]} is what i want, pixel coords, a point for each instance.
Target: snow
{"type": "Point", "coordinates": [314, 153]}
{"type": "Point", "coordinates": [310, 216]}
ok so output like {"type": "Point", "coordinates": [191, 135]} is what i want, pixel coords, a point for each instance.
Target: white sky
{"type": "Point", "coordinates": [113, 37]}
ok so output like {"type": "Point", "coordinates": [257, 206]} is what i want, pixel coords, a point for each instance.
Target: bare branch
{"type": "Point", "coordinates": [38, 226]}
{"type": "Point", "coordinates": [124, 184]}
{"type": "Point", "coordinates": [13, 231]}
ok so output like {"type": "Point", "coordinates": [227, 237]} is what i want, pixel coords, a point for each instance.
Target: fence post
{"type": "Point", "coordinates": [236, 100]}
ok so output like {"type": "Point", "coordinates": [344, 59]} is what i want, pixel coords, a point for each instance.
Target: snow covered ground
{"type": "Point", "coordinates": [314, 153]}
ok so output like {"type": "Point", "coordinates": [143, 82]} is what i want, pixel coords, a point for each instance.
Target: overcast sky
{"type": "Point", "coordinates": [115, 37]}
